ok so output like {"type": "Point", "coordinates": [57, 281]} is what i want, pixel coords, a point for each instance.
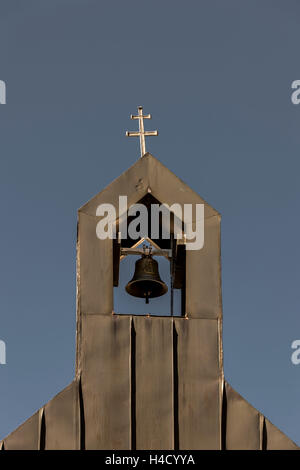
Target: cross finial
{"type": "Point", "coordinates": [141, 133]}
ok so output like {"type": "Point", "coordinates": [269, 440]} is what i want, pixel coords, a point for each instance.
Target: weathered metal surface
{"type": "Point", "coordinates": [62, 420]}
{"type": "Point", "coordinates": [154, 383]}
{"type": "Point", "coordinates": [276, 440]}
{"type": "Point", "coordinates": [116, 262]}
{"type": "Point", "coordinates": [203, 274]}
{"type": "Point", "coordinates": [199, 379]}
{"type": "Point", "coordinates": [243, 430]}
{"type": "Point", "coordinates": [95, 260]}
{"type": "Point", "coordinates": [106, 381]}
{"type": "Point", "coordinates": [26, 436]}
{"type": "Point", "coordinates": [168, 188]}
{"type": "Point", "coordinates": [95, 269]}
{"type": "Point", "coordinates": [147, 173]}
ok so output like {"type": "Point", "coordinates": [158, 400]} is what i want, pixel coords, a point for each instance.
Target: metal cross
{"type": "Point", "coordinates": [142, 133]}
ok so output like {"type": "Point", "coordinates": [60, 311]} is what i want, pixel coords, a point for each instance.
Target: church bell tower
{"type": "Point", "coordinates": [148, 381]}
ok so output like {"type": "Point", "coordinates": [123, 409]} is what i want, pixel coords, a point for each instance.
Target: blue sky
{"type": "Point", "coordinates": [216, 76]}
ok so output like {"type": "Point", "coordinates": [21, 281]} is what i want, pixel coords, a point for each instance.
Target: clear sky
{"type": "Point", "coordinates": [216, 76]}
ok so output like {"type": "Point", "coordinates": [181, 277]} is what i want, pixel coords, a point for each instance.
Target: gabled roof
{"type": "Point", "coordinates": [57, 426]}
{"type": "Point", "coordinates": [147, 174]}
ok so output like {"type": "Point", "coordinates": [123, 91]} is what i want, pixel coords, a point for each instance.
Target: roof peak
{"type": "Point", "coordinates": [147, 174]}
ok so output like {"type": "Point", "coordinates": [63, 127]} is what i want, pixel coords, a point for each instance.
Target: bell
{"type": "Point", "coordinates": [146, 282]}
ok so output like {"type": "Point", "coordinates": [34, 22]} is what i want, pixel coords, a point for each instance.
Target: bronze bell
{"type": "Point", "coordinates": [146, 282]}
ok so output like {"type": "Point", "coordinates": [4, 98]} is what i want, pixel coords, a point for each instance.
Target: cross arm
{"type": "Point", "coordinates": [132, 134]}
{"type": "Point", "coordinates": [147, 116]}
{"type": "Point", "coordinates": [151, 133]}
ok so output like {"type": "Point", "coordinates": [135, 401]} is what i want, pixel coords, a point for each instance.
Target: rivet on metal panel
{"type": "Point", "coordinates": [139, 185]}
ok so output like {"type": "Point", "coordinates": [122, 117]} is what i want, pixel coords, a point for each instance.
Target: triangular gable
{"type": "Point", "coordinates": [245, 428]}
{"type": "Point", "coordinates": [148, 173]}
